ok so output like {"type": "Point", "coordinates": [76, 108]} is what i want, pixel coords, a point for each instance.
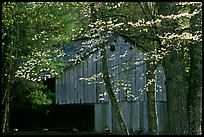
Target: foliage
{"type": "Point", "coordinates": [31, 94]}
{"type": "Point", "coordinates": [144, 26]}
{"type": "Point", "coordinates": [158, 35]}
{"type": "Point", "coordinates": [32, 31]}
{"type": "Point", "coordinates": [40, 97]}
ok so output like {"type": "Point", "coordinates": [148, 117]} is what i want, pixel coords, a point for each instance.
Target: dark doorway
{"type": "Point", "coordinates": [55, 117]}
{"type": "Point", "coordinates": [63, 118]}
{"type": "Point", "coordinates": [26, 119]}
{"type": "Point", "coordinates": [67, 117]}
{"type": "Point", "coordinates": [71, 117]}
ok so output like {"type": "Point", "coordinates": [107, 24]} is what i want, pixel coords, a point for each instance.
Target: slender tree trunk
{"type": "Point", "coordinates": [195, 83]}
{"type": "Point", "coordinates": [5, 113]}
{"type": "Point", "coordinates": [151, 99]}
{"type": "Point", "coordinates": [6, 89]}
{"type": "Point", "coordinates": [118, 114]}
{"type": "Point", "coordinates": [110, 91]}
{"type": "Point", "coordinates": [151, 79]}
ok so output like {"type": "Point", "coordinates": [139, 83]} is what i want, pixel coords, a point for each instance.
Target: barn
{"type": "Point", "coordinates": [82, 83]}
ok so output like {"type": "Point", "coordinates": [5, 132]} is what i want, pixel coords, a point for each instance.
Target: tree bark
{"type": "Point", "coordinates": [6, 91]}
{"type": "Point", "coordinates": [176, 89]}
{"type": "Point", "coordinates": [176, 93]}
{"type": "Point", "coordinates": [151, 99]}
{"type": "Point", "coordinates": [110, 91]}
{"type": "Point", "coordinates": [5, 112]}
{"type": "Point", "coordinates": [195, 83]}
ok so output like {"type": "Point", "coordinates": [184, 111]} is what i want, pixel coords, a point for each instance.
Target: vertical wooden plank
{"type": "Point", "coordinates": [110, 58]}
{"type": "Point", "coordinates": [104, 92]}
{"type": "Point", "coordinates": [76, 96]}
{"type": "Point", "coordinates": [127, 72]}
{"type": "Point", "coordinates": [141, 116]}
{"type": "Point", "coordinates": [137, 87]}
{"type": "Point", "coordinates": [72, 84]}
{"type": "Point", "coordinates": [160, 79]}
{"type": "Point", "coordinates": [134, 86]}
{"type": "Point", "coordinates": [90, 74]}
{"type": "Point", "coordinates": [145, 117]}
{"type": "Point", "coordinates": [98, 117]}
{"type": "Point", "coordinates": [119, 71]}
{"type": "Point", "coordinates": [110, 109]}
{"type": "Point", "coordinates": [81, 87]}
{"type": "Point", "coordinates": [82, 92]}
{"type": "Point", "coordinates": [141, 81]}
{"type": "Point", "coordinates": [124, 106]}
{"type": "Point", "coordinates": [80, 84]}
{"type": "Point", "coordinates": [97, 76]}
{"type": "Point", "coordinates": [86, 82]}
{"type": "Point", "coordinates": [63, 89]}
{"type": "Point", "coordinates": [94, 62]}
{"type": "Point", "coordinates": [108, 116]}
{"type": "Point", "coordinates": [88, 71]}
{"type": "Point", "coordinates": [144, 77]}
{"type": "Point", "coordinates": [131, 75]}
{"type": "Point", "coordinates": [68, 86]}
{"type": "Point", "coordinates": [69, 89]}
{"type": "Point", "coordinates": [140, 75]}
{"type": "Point", "coordinates": [113, 57]}
{"type": "Point", "coordinates": [122, 67]}
{"type": "Point", "coordinates": [77, 83]}
{"type": "Point", "coordinates": [129, 115]}
{"type": "Point", "coordinates": [116, 70]}
{"type": "Point", "coordinates": [57, 91]}
{"type": "Point", "coordinates": [131, 107]}
{"type": "Point", "coordinates": [103, 117]}
{"type": "Point", "coordinates": [100, 86]}
{"type": "Point", "coordinates": [136, 116]}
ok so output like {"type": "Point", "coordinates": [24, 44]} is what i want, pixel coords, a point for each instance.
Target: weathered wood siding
{"type": "Point", "coordinates": [83, 83]}
{"type": "Point", "coordinates": [135, 114]}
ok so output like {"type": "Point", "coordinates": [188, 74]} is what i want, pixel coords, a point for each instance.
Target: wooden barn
{"type": "Point", "coordinates": [82, 83]}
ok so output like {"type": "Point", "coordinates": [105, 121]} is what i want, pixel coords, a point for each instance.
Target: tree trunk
{"type": "Point", "coordinates": [176, 89]}
{"type": "Point", "coordinates": [5, 113]}
{"type": "Point", "coordinates": [195, 83]}
{"type": "Point", "coordinates": [176, 93]}
{"type": "Point", "coordinates": [118, 114]}
{"type": "Point", "coordinates": [151, 99]}
{"type": "Point", "coordinates": [6, 92]}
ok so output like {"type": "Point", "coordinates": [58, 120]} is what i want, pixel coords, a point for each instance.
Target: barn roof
{"type": "Point", "coordinates": [79, 49]}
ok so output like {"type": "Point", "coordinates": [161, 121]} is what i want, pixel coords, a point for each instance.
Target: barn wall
{"type": "Point", "coordinates": [135, 115]}
{"type": "Point", "coordinates": [83, 83]}
{"type": "Point", "coordinates": [103, 116]}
